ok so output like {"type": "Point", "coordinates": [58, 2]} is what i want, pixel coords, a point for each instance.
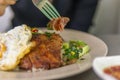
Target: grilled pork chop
{"type": "Point", "coordinates": [46, 54]}
{"type": "Point", "coordinates": [58, 24]}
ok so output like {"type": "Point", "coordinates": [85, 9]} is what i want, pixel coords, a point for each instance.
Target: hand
{"type": "Point", "coordinates": [4, 4]}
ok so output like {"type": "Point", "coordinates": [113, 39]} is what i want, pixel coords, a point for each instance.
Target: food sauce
{"type": "Point", "coordinates": [113, 71]}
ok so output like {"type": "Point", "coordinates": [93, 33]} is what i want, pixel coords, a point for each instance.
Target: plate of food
{"type": "Point", "coordinates": [31, 53]}
{"type": "Point", "coordinates": [107, 68]}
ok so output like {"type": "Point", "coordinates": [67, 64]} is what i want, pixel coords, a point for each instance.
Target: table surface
{"type": "Point", "coordinates": [113, 43]}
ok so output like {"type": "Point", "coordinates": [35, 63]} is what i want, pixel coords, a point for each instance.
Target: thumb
{"type": "Point", "coordinates": [2, 9]}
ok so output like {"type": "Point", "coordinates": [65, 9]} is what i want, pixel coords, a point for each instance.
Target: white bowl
{"type": "Point", "coordinates": [100, 63]}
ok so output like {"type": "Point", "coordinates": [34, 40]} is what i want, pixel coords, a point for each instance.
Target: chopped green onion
{"type": "Point", "coordinates": [74, 50]}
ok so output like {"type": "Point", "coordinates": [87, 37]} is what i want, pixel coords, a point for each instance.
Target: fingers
{"type": "Point", "coordinates": [2, 9]}
{"type": "Point", "coordinates": [7, 2]}
{"type": "Point", "coordinates": [4, 4]}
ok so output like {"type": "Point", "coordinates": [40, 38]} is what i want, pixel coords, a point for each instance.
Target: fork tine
{"type": "Point", "coordinates": [46, 8]}
{"type": "Point", "coordinates": [51, 11]}
{"type": "Point", "coordinates": [46, 13]}
{"type": "Point", "coordinates": [53, 8]}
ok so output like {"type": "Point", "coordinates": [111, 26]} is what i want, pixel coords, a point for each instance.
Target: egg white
{"type": "Point", "coordinates": [17, 43]}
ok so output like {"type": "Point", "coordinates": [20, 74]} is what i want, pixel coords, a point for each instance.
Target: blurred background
{"type": "Point", "coordinates": [106, 19]}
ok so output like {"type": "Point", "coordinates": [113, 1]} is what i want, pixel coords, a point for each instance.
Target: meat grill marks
{"type": "Point", "coordinates": [46, 54]}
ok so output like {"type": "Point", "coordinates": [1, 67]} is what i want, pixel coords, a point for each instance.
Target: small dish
{"type": "Point", "coordinates": [100, 63]}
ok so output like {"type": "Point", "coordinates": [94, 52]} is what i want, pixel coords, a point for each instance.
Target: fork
{"type": "Point", "coordinates": [46, 8]}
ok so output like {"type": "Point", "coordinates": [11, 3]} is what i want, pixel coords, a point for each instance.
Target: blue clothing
{"type": "Point", "coordinates": [80, 12]}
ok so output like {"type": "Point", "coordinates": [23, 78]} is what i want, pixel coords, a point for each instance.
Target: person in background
{"type": "Point", "coordinates": [80, 12]}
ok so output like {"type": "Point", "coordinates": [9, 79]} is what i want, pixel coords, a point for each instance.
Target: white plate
{"type": "Point", "coordinates": [99, 64]}
{"type": "Point", "coordinates": [97, 46]}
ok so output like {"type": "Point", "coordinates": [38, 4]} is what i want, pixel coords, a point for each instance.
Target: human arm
{"type": "Point", "coordinates": [4, 4]}
{"type": "Point", "coordinates": [82, 14]}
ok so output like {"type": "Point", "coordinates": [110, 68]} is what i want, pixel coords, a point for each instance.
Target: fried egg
{"type": "Point", "coordinates": [14, 45]}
